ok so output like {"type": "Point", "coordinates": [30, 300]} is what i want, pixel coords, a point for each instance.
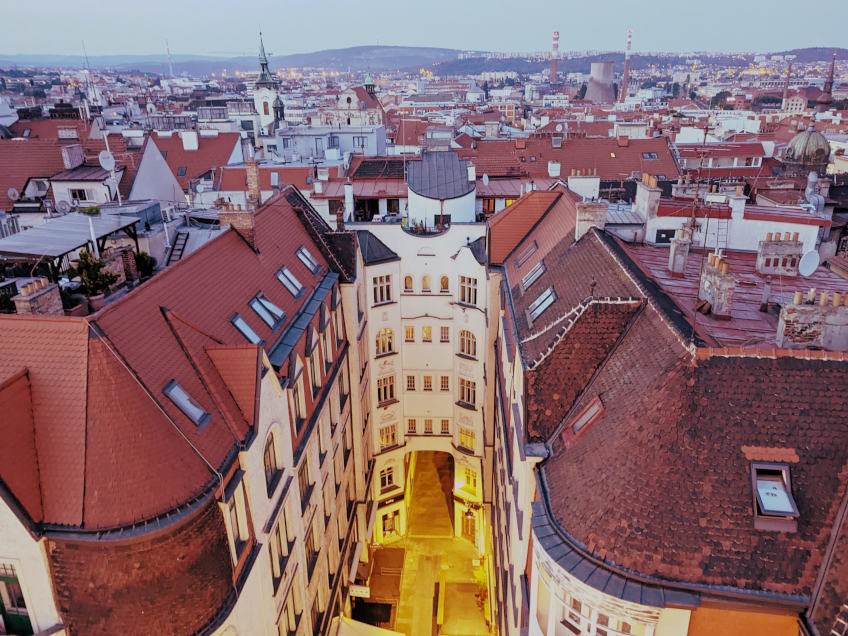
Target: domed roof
{"type": "Point", "coordinates": [808, 146]}
{"type": "Point", "coordinates": [369, 80]}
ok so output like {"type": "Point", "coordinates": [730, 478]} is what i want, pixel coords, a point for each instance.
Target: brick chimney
{"type": "Point", "coordinates": [814, 322]}
{"type": "Point", "coordinates": [779, 256]}
{"type": "Point", "coordinates": [589, 214]}
{"type": "Point", "coordinates": [716, 289]}
{"type": "Point", "coordinates": [647, 200]}
{"type": "Point", "coordinates": [251, 169]}
{"type": "Point", "coordinates": [679, 252]}
{"type": "Point", "coordinates": [39, 298]}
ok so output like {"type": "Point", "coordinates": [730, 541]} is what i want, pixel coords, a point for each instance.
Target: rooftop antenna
{"type": "Point", "coordinates": [170, 60]}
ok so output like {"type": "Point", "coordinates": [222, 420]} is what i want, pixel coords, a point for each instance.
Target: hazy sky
{"type": "Point", "coordinates": [229, 27]}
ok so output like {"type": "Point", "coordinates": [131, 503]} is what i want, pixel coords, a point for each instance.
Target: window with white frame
{"type": "Point", "coordinates": [12, 603]}
{"type": "Point", "coordinates": [278, 550]}
{"type": "Point", "coordinates": [468, 290]}
{"type": "Point", "coordinates": [545, 300]}
{"type": "Point", "coordinates": [467, 392]}
{"type": "Point", "coordinates": [382, 289]}
{"type": "Point", "coordinates": [444, 334]}
{"type": "Point", "coordinates": [187, 404]}
{"type": "Point", "coordinates": [428, 426]}
{"type": "Point", "coordinates": [445, 383]}
{"type": "Point", "coordinates": [533, 275]}
{"type": "Point", "coordinates": [245, 329]}
{"type": "Point", "coordinates": [467, 438]}
{"type": "Point", "coordinates": [385, 341]}
{"type": "Point", "coordinates": [409, 333]}
{"type": "Point", "coordinates": [237, 514]}
{"type": "Point", "coordinates": [385, 389]}
{"type": "Point", "coordinates": [289, 281]}
{"type": "Point", "coordinates": [445, 426]}
{"type": "Point", "coordinates": [427, 382]}
{"type": "Point", "coordinates": [407, 283]}
{"type": "Point", "coordinates": [388, 436]}
{"type": "Point", "coordinates": [411, 425]}
{"type": "Point", "coordinates": [387, 477]}
{"type": "Point", "coordinates": [426, 334]}
{"type": "Point", "coordinates": [270, 314]}
{"type": "Point", "coordinates": [308, 259]}
{"type": "Point", "coordinates": [467, 343]}
{"type": "Point", "coordinates": [410, 383]}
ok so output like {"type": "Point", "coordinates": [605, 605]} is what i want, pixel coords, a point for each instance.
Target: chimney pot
{"type": "Point", "coordinates": [811, 295]}
{"type": "Point", "coordinates": [768, 236]}
{"type": "Point", "coordinates": [845, 300]}
{"type": "Point", "coordinates": [796, 299]}
{"type": "Point", "coordinates": [823, 299]}
{"type": "Point", "coordinates": [795, 237]}
{"type": "Point", "coordinates": [786, 236]}
{"type": "Point", "coordinates": [725, 267]}
{"type": "Point", "coordinates": [837, 299]}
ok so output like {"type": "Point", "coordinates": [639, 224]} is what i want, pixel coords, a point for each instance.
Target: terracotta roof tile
{"type": "Point", "coordinates": [18, 457]}
{"type": "Point", "coordinates": [509, 226]}
{"type": "Point", "coordinates": [212, 152]}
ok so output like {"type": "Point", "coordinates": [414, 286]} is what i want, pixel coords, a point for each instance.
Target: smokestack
{"type": "Point", "coordinates": [786, 85]}
{"type": "Point", "coordinates": [625, 78]}
{"type": "Point", "coordinates": [554, 58]}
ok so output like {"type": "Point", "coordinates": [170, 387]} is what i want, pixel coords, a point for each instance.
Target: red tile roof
{"type": "Point", "coordinates": [509, 226]}
{"type": "Point", "coordinates": [212, 152]}
{"type": "Point", "coordinates": [18, 457]}
{"type": "Point", "coordinates": [234, 178]}
{"type": "Point", "coordinates": [21, 159]}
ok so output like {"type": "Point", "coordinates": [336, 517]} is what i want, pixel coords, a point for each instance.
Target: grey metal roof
{"type": "Point", "coordinates": [439, 175]}
{"type": "Point", "coordinates": [373, 249]}
{"type": "Point", "coordinates": [82, 173]}
{"type": "Point", "coordinates": [64, 234]}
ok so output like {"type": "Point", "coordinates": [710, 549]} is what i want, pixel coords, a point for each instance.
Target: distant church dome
{"type": "Point", "coordinates": [808, 150]}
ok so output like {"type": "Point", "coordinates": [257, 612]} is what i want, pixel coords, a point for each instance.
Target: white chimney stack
{"type": "Point", "coordinates": [190, 141]}
{"type": "Point", "coordinates": [472, 174]}
{"type": "Point", "coordinates": [348, 200]}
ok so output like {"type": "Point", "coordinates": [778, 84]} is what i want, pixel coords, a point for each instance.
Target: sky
{"type": "Point", "coordinates": [225, 28]}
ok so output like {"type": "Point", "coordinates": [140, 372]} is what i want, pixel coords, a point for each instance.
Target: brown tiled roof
{"type": "Point", "coordinates": [212, 152]}
{"type": "Point", "coordinates": [18, 457]}
{"type": "Point", "coordinates": [111, 448]}
{"type": "Point", "coordinates": [510, 225]}
{"type": "Point", "coordinates": [554, 383]}
{"type": "Point", "coordinates": [21, 159]}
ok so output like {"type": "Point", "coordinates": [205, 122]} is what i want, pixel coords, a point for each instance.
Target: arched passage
{"type": "Point", "coordinates": [431, 502]}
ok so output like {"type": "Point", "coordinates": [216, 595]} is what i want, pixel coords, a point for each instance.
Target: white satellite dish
{"type": "Point", "coordinates": [13, 194]}
{"type": "Point", "coordinates": [63, 206]}
{"type": "Point", "coordinates": [559, 127]}
{"type": "Point", "coordinates": [485, 179]}
{"type": "Point", "coordinates": [199, 188]}
{"type": "Point", "coordinates": [809, 263]}
{"type": "Point", "coordinates": [106, 159]}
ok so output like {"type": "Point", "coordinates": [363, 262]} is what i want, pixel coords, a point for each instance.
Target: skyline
{"type": "Point", "coordinates": [196, 28]}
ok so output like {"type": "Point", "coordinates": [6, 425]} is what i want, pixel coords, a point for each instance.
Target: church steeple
{"type": "Point", "coordinates": [826, 98]}
{"type": "Point", "coordinates": [265, 79]}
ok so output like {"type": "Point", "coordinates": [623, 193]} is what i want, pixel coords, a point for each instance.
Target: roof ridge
{"type": "Point", "coordinates": [773, 353]}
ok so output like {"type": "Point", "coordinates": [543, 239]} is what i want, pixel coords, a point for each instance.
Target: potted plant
{"type": "Point", "coordinates": [145, 264]}
{"type": "Point", "coordinates": [94, 280]}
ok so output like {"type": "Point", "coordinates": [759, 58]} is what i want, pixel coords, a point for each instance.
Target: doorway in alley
{"type": "Point", "coordinates": [431, 504]}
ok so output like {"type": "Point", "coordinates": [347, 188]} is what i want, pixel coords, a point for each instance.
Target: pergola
{"type": "Point", "coordinates": [58, 237]}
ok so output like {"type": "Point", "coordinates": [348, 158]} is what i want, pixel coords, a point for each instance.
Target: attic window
{"type": "Point", "coordinates": [650, 155]}
{"type": "Point", "coordinates": [526, 254]}
{"type": "Point", "coordinates": [289, 281]}
{"type": "Point", "coordinates": [581, 422]}
{"type": "Point", "coordinates": [181, 171]}
{"type": "Point", "coordinates": [533, 275]}
{"type": "Point", "coordinates": [245, 329]}
{"type": "Point", "coordinates": [307, 259]}
{"type": "Point", "coordinates": [545, 300]}
{"type": "Point", "coordinates": [188, 405]}
{"type": "Point", "coordinates": [532, 158]}
{"type": "Point", "coordinates": [556, 142]}
{"type": "Point", "coordinates": [774, 506]}
{"type": "Point", "coordinates": [271, 315]}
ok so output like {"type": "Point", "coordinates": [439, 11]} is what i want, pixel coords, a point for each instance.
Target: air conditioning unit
{"type": "Point", "coordinates": [168, 214]}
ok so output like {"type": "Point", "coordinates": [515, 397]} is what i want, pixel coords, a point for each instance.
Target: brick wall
{"type": "Point", "coordinates": [170, 582]}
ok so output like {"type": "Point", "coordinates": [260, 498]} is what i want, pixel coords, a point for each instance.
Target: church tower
{"type": "Point", "coordinates": [264, 92]}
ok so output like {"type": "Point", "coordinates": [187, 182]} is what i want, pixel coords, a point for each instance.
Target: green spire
{"type": "Point", "coordinates": [265, 78]}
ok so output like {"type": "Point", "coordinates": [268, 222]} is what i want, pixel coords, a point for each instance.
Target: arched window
{"type": "Point", "coordinates": [445, 284]}
{"type": "Point", "coordinates": [407, 283]}
{"type": "Point", "coordinates": [467, 344]}
{"type": "Point", "coordinates": [272, 468]}
{"type": "Point", "coordinates": [385, 341]}
{"type": "Point", "coordinates": [265, 108]}
{"type": "Point", "coordinates": [425, 283]}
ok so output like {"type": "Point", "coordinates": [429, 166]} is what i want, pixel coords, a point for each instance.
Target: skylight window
{"type": "Point", "coordinates": [774, 506]}
{"type": "Point", "coordinates": [533, 275]}
{"type": "Point", "coordinates": [245, 329]}
{"type": "Point", "coordinates": [307, 259]}
{"type": "Point", "coordinates": [271, 314]}
{"type": "Point", "coordinates": [181, 171]}
{"type": "Point", "coordinates": [526, 254]}
{"type": "Point", "coordinates": [581, 422]}
{"type": "Point", "coordinates": [188, 405]}
{"type": "Point", "coordinates": [650, 155]}
{"type": "Point", "coordinates": [289, 281]}
{"type": "Point", "coordinates": [545, 300]}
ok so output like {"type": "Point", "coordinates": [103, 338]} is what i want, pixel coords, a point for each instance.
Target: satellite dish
{"type": "Point", "coordinates": [107, 161]}
{"type": "Point", "coordinates": [559, 127]}
{"type": "Point", "coordinates": [63, 206]}
{"type": "Point", "coordinates": [809, 263]}
{"type": "Point", "coordinates": [13, 194]}
{"type": "Point", "coordinates": [485, 179]}
{"type": "Point", "coordinates": [199, 188]}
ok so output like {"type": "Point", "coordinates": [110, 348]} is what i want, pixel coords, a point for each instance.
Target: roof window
{"type": "Point", "coordinates": [181, 171]}
{"type": "Point", "coordinates": [774, 506]}
{"type": "Point", "coordinates": [307, 259]}
{"type": "Point", "coordinates": [578, 424]}
{"type": "Point", "coordinates": [271, 315]}
{"type": "Point", "coordinates": [545, 300]}
{"type": "Point", "coordinates": [533, 275]}
{"type": "Point", "coordinates": [526, 254]}
{"type": "Point", "coordinates": [241, 324]}
{"type": "Point", "coordinates": [650, 155]}
{"type": "Point", "coordinates": [289, 281]}
{"type": "Point", "coordinates": [188, 405]}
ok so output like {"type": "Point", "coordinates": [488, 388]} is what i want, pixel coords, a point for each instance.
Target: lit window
{"type": "Point", "coordinates": [427, 334]}
{"type": "Point", "coordinates": [289, 281]}
{"type": "Point", "coordinates": [387, 478]}
{"type": "Point", "coordinates": [425, 284]}
{"type": "Point", "coordinates": [428, 426]}
{"type": "Point", "coordinates": [774, 506]}
{"type": "Point", "coordinates": [467, 392]}
{"type": "Point", "coordinates": [385, 341]}
{"type": "Point", "coordinates": [444, 334]}
{"type": "Point", "coordinates": [470, 480]}
{"type": "Point", "coordinates": [468, 290]}
{"type": "Point", "coordinates": [407, 283]}
{"type": "Point", "coordinates": [445, 427]}
{"type": "Point", "coordinates": [444, 284]}
{"type": "Point", "coordinates": [270, 314]}
{"type": "Point", "coordinates": [388, 436]}
{"type": "Point", "coordinates": [445, 383]}
{"type": "Point", "coordinates": [428, 382]}
{"type": "Point", "coordinates": [382, 289]}
{"type": "Point", "coordinates": [409, 333]}
{"type": "Point", "coordinates": [410, 383]}
{"type": "Point", "coordinates": [466, 438]}
{"type": "Point", "coordinates": [467, 344]}
{"type": "Point", "coordinates": [385, 389]}
{"type": "Point", "coordinates": [308, 259]}
{"type": "Point", "coordinates": [545, 300]}
{"type": "Point", "coordinates": [186, 403]}
{"type": "Point", "coordinates": [241, 324]}
{"type": "Point", "coordinates": [533, 275]}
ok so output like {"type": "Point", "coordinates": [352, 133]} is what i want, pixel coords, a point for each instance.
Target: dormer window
{"type": "Point", "coordinates": [245, 329]}
{"type": "Point", "coordinates": [270, 314]}
{"type": "Point", "coordinates": [289, 281]}
{"type": "Point", "coordinates": [187, 404]}
{"type": "Point", "coordinates": [307, 259]}
{"type": "Point", "coordinates": [774, 506]}
{"type": "Point", "coordinates": [545, 300]}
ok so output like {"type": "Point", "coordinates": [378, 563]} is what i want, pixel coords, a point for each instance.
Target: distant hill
{"type": "Point", "coordinates": [816, 54]}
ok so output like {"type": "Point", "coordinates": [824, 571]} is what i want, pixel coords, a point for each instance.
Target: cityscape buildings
{"type": "Point", "coordinates": [516, 352]}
